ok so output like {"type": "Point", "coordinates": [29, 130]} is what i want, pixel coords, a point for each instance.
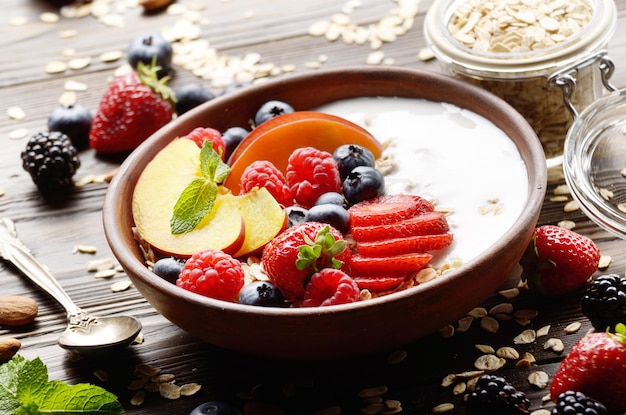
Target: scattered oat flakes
{"type": "Point", "coordinates": [100, 264]}
{"type": "Point", "coordinates": [425, 54]}
{"type": "Point", "coordinates": [464, 324]}
{"type": "Point", "coordinates": [169, 390]}
{"type": "Point", "coordinates": [85, 249]}
{"type": "Point", "coordinates": [571, 206]}
{"type": "Point", "coordinates": [49, 17]}
{"type": "Point", "coordinates": [54, 67]}
{"type": "Point", "coordinates": [102, 375]}
{"type": "Point", "coordinates": [110, 273]}
{"type": "Point", "coordinates": [372, 392]}
{"type": "Point", "coordinates": [447, 331]}
{"type": "Point", "coordinates": [68, 33]}
{"type": "Point", "coordinates": [485, 348]}
{"type": "Point", "coordinates": [79, 63]}
{"type": "Point", "coordinates": [478, 312]}
{"type": "Point", "coordinates": [18, 21]}
{"type": "Point", "coordinates": [16, 113]}
{"type": "Point", "coordinates": [554, 344]}
{"type": "Point", "coordinates": [501, 308]}
{"type": "Point", "coordinates": [18, 133]}
{"type": "Point", "coordinates": [509, 293]}
{"type": "Point", "coordinates": [559, 199]}
{"type": "Point", "coordinates": [543, 331]}
{"type": "Point", "coordinates": [120, 286]}
{"type": "Point", "coordinates": [540, 412]}
{"type": "Point", "coordinates": [567, 224]}
{"type": "Point", "coordinates": [1, 193]}
{"type": "Point", "coordinates": [396, 357]}
{"type": "Point", "coordinates": [525, 337]}
{"type": "Point", "coordinates": [622, 207]}
{"type": "Point", "coordinates": [508, 353]}
{"type": "Point", "coordinates": [526, 313]}
{"type": "Point", "coordinates": [562, 190]}
{"type": "Point", "coordinates": [443, 408]}
{"type": "Point", "coordinates": [489, 362]}
{"type": "Point", "coordinates": [72, 85]}
{"type": "Point", "coordinates": [111, 56]}
{"type": "Point", "coordinates": [605, 261]}
{"type": "Point", "coordinates": [138, 398]}
{"type": "Point", "coordinates": [539, 379]}
{"type": "Point", "coordinates": [572, 327]}
{"type": "Point", "coordinates": [489, 324]}
{"type": "Point", "coordinates": [459, 388]}
{"type": "Point", "coordinates": [448, 380]}
{"type": "Point", "coordinates": [606, 193]}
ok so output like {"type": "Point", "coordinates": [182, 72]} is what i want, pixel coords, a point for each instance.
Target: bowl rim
{"type": "Point", "coordinates": [127, 257]}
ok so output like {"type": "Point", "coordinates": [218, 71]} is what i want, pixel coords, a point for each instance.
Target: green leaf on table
{"type": "Point", "coordinates": [198, 198]}
{"type": "Point", "coordinates": [26, 390]}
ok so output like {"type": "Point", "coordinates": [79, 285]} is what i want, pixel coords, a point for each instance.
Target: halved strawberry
{"type": "Point", "coordinates": [405, 245]}
{"type": "Point", "coordinates": [387, 209]}
{"type": "Point", "coordinates": [429, 223]}
{"type": "Point", "coordinates": [384, 265]}
{"type": "Point", "coordinates": [379, 283]}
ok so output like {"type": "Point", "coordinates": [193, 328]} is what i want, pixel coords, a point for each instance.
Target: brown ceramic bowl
{"type": "Point", "coordinates": [359, 328]}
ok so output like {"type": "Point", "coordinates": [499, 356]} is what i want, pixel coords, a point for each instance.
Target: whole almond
{"type": "Point", "coordinates": [154, 4]}
{"type": "Point", "coordinates": [17, 310]}
{"type": "Point", "coordinates": [8, 348]}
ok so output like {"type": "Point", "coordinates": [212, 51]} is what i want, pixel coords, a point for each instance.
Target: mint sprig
{"type": "Point", "coordinates": [198, 198]}
{"type": "Point", "coordinates": [26, 390]}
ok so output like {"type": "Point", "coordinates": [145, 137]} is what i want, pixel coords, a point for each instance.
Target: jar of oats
{"type": "Point", "coordinates": [521, 50]}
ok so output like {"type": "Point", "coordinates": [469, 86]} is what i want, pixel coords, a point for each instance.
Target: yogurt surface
{"type": "Point", "coordinates": [451, 156]}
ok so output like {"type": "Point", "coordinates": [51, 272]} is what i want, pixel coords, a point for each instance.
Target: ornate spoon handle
{"type": "Point", "coordinates": [15, 252]}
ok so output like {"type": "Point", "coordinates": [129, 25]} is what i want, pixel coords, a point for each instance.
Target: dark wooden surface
{"type": "Point", "coordinates": [276, 29]}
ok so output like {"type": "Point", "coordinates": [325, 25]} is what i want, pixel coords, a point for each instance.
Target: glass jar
{"type": "Point", "coordinates": [594, 162]}
{"type": "Point", "coordinates": [518, 49]}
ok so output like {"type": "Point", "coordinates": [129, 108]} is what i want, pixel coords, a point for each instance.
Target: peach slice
{"type": "Point", "coordinates": [276, 139]}
{"type": "Point", "coordinates": [156, 193]}
{"type": "Point", "coordinates": [264, 218]}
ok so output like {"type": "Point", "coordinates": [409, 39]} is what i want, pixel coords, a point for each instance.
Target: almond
{"type": "Point", "coordinates": [16, 310]}
{"type": "Point", "coordinates": [8, 348]}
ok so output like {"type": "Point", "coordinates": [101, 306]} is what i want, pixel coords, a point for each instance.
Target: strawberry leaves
{"type": "Point", "coordinates": [198, 198]}
{"type": "Point", "coordinates": [320, 253]}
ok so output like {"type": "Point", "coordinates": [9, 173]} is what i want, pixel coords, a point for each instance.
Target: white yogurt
{"type": "Point", "coordinates": [451, 156]}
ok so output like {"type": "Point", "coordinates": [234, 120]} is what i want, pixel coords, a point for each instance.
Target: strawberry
{"type": "Point", "coordinates": [405, 245]}
{"type": "Point", "coordinates": [595, 366]}
{"type": "Point", "coordinates": [387, 209]}
{"type": "Point", "coordinates": [330, 286]}
{"type": "Point", "coordinates": [379, 283]}
{"type": "Point", "coordinates": [131, 109]}
{"type": "Point", "coordinates": [429, 223]}
{"type": "Point", "coordinates": [362, 265]}
{"type": "Point", "coordinates": [558, 260]}
{"type": "Point", "coordinates": [291, 258]}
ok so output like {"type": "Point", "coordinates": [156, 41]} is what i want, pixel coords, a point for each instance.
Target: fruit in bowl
{"type": "Point", "coordinates": [339, 330]}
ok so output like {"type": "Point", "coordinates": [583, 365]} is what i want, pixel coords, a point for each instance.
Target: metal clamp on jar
{"type": "Point", "coordinates": [513, 50]}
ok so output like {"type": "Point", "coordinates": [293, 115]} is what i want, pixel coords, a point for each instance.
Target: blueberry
{"type": "Point", "coordinates": [232, 137]}
{"type": "Point", "coordinates": [168, 268]}
{"type": "Point", "coordinates": [151, 47]}
{"type": "Point", "coordinates": [332, 198]}
{"type": "Point", "coordinates": [213, 408]}
{"type": "Point", "coordinates": [363, 183]}
{"type": "Point", "coordinates": [349, 156]}
{"type": "Point", "coordinates": [270, 110]}
{"type": "Point", "coordinates": [191, 95]}
{"type": "Point", "coordinates": [261, 293]}
{"type": "Point", "coordinates": [295, 215]}
{"type": "Point", "coordinates": [74, 121]}
{"type": "Point", "coordinates": [335, 216]}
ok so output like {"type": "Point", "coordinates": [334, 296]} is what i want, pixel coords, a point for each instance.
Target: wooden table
{"type": "Point", "coordinates": [277, 30]}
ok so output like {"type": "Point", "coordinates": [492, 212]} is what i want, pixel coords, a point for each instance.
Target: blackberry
{"type": "Point", "coordinates": [51, 160]}
{"type": "Point", "coordinates": [604, 302]}
{"type": "Point", "coordinates": [493, 395]}
{"type": "Point", "coordinates": [577, 403]}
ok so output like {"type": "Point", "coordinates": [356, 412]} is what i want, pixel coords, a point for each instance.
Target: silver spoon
{"type": "Point", "coordinates": [85, 334]}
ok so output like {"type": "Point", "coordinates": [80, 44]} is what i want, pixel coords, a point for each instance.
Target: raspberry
{"type": "Point", "coordinates": [213, 274]}
{"type": "Point", "coordinates": [311, 173]}
{"type": "Point", "coordinates": [263, 173]}
{"type": "Point", "coordinates": [51, 160]}
{"type": "Point", "coordinates": [202, 134]}
{"type": "Point", "coordinates": [330, 286]}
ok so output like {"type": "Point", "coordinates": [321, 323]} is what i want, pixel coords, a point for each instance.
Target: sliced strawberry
{"type": "Point", "coordinates": [429, 223]}
{"type": "Point", "coordinates": [387, 209]}
{"type": "Point", "coordinates": [382, 283]}
{"type": "Point", "coordinates": [399, 246]}
{"type": "Point", "coordinates": [398, 264]}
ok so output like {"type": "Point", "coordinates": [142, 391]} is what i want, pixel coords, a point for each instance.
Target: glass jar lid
{"type": "Point", "coordinates": [594, 35]}
{"type": "Point", "coordinates": [594, 161]}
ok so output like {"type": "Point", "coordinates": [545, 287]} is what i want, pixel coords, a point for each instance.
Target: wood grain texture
{"type": "Point", "coordinates": [276, 29]}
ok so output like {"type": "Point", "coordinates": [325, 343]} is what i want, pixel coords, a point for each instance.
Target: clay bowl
{"type": "Point", "coordinates": [360, 328]}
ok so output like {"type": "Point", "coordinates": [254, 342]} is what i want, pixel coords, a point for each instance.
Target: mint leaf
{"type": "Point", "coordinates": [193, 205]}
{"type": "Point", "coordinates": [26, 390]}
{"type": "Point", "coordinates": [198, 198]}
